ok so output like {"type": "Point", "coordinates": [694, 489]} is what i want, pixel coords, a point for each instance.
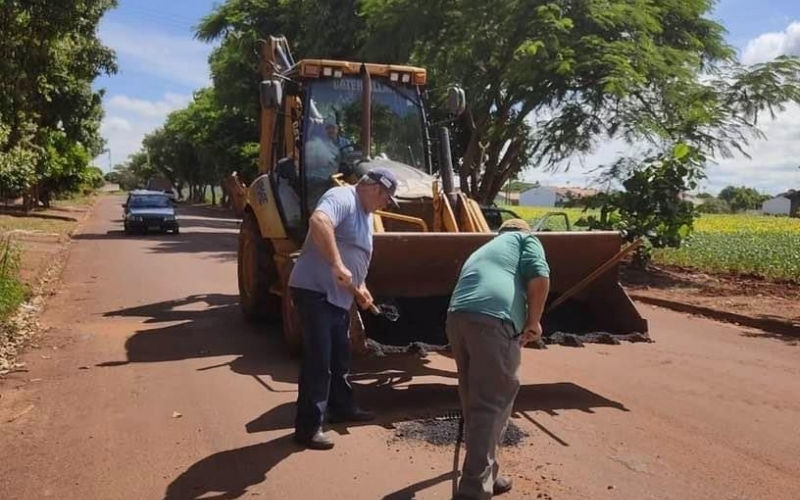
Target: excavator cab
{"type": "Point", "coordinates": [327, 122]}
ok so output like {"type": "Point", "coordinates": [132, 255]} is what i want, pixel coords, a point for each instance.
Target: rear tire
{"type": "Point", "coordinates": [257, 273]}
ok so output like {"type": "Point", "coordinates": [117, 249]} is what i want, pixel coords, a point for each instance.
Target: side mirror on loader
{"type": "Point", "coordinates": [456, 100]}
{"type": "Point", "coordinates": [271, 93]}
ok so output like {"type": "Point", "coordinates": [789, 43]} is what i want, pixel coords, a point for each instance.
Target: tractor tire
{"type": "Point", "coordinates": [257, 273]}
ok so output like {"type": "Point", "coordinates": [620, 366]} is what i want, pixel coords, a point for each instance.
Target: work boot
{"type": "Point", "coordinates": [317, 441]}
{"type": "Point", "coordinates": [357, 415]}
{"type": "Point", "coordinates": [502, 485]}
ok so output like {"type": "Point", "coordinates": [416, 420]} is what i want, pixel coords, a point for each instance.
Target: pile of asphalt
{"type": "Point", "coordinates": [444, 432]}
{"type": "Point", "coordinates": [578, 340]}
{"type": "Point", "coordinates": [421, 327]}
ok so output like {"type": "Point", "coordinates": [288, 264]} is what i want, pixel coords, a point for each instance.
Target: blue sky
{"type": "Point", "coordinates": [161, 64]}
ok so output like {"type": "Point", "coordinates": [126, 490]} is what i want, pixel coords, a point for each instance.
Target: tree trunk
{"type": "Point", "coordinates": [225, 199]}
{"type": "Point", "coordinates": [44, 197]}
{"type": "Point", "coordinates": [213, 196]}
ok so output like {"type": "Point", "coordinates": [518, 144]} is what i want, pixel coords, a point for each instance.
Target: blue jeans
{"type": "Point", "coordinates": [323, 385]}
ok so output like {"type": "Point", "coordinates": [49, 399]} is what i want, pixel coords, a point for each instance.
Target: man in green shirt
{"type": "Point", "coordinates": [495, 309]}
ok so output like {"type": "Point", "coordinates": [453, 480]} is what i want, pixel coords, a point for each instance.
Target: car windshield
{"type": "Point", "coordinates": [149, 201]}
{"type": "Point", "coordinates": [334, 124]}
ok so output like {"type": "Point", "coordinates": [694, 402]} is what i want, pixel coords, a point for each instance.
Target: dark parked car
{"type": "Point", "coordinates": [149, 211]}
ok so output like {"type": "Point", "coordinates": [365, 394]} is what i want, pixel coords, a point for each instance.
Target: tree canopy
{"type": "Point", "coordinates": [49, 114]}
{"type": "Point", "coordinates": [547, 81]}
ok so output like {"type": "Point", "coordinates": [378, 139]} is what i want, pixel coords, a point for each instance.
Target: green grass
{"type": "Point", "coordinates": [774, 255]}
{"type": "Point", "coordinates": [75, 200]}
{"type": "Point", "coordinates": [9, 223]}
{"type": "Point", "coordinates": [12, 291]}
{"type": "Point", "coordinates": [741, 244]}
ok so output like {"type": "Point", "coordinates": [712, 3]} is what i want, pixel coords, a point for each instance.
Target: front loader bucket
{"type": "Point", "coordinates": [416, 272]}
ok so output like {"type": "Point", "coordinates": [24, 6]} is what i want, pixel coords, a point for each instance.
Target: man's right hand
{"type": "Point", "coordinates": [342, 275]}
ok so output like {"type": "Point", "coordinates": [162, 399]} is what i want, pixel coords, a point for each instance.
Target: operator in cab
{"type": "Point", "coordinates": [323, 155]}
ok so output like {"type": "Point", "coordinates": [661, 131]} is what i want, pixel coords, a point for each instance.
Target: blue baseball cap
{"type": "Point", "coordinates": [385, 178]}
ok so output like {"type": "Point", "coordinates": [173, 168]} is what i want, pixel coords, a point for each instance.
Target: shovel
{"type": "Point", "coordinates": [389, 312]}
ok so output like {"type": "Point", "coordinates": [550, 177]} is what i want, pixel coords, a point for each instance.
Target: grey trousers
{"type": "Point", "coordinates": [487, 355]}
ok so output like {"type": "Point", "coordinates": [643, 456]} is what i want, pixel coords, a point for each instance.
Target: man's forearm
{"type": "Point", "coordinates": [538, 288]}
{"type": "Point", "coordinates": [322, 234]}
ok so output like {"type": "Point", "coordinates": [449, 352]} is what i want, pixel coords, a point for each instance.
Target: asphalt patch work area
{"type": "Point", "coordinates": [578, 340]}
{"type": "Point", "coordinates": [443, 431]}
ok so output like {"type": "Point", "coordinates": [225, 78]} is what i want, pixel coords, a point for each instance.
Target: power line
{"type": "Point", "coordinates": [162, 14]}
{"type": "Point", "coordinates": [156, 21]}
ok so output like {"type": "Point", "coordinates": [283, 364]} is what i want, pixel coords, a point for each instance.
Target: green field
{"type": "Point", "coordinates": [745, 244]}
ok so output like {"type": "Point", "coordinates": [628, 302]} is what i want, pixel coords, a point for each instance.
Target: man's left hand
{"type": "Point", "coordinates": [532, 333]}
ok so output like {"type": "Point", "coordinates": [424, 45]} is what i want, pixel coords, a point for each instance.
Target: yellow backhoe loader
{"type": "Point", "coordinates": [325, 122]}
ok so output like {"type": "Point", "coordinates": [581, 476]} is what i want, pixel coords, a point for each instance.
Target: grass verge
{"type": "Point", "coordinates": [12, 294]}
{"type": "Point", "coordinates": [10, 223]}
{"type": "Point", "coordinates": [12, 291]}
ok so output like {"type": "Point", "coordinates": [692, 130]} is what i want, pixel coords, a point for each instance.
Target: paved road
{"type": "Point", "coordinates": [148, 326]}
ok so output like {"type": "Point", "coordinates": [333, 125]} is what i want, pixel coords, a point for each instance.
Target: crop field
{"type": "Point", "coordinates": [742, 244]}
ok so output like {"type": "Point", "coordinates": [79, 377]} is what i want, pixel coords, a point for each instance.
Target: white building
{"type": "Point", "coordinates": [541, 196]}
{"type": "Point", "coordinates": [551, 196]}
{"type": "Point", "coordinates": [780, 205]}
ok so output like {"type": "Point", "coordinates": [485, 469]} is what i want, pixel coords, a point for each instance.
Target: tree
{"type": "Point", "coordinates": [51, 56]}
{"type": "Point", "coordinates": [325, 29]}
{"type": "Point", "coordinates": [198, 146]}
{"type": "Point", "coordinates": [17, 172]}
{"type": "Point", "coordinates": [113, 177]}
{"type": "Point", "coordinates": [126, 176]}
{"type": "Point", "coordinates": [545, 80]}
{"type": "Point", "coordinates": [742, 198]}
{"type": "Point", "coordinates": [332, 29]}
{"type": "Point", "coordinates": [650, 205]}
{"type": "Point", "coordinates": [714, 206]}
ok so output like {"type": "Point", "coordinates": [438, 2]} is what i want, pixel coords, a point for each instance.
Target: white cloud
{"type": "Point", "coordinates": [115, 123]}
{"type": "Point", "coordinates": [155, 62]}
{"type": "Point", "coordinates": [773, 167]}
{"type": "Point", "coordinates": [149, 109]}
{"type": "Point", "coordinates": [771, 45]}
{"type": "Point", "coordinates": [131, 120]}
{"type": "Point", "coordinates": [176, 59]}
{"type": "Point", "coordinates": [581, 172]}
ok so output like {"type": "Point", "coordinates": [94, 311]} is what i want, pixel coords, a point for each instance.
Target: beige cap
{"type": "Point", "coordinates": [515, 225]}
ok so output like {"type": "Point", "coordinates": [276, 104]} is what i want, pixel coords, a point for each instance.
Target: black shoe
{"type": "Point", "coordinates": [357, 415]}
{"type": "Point", "coordinates": [317, 441]}
{"type": "Point", "coordinates": [502, 485]}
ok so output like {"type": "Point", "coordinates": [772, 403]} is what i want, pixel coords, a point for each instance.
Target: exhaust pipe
{"type": "Point", "coordinates": [366, 112]}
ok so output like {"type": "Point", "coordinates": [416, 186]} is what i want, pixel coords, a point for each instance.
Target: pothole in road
{"type": "Point", "coordinates": [443, 431]}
